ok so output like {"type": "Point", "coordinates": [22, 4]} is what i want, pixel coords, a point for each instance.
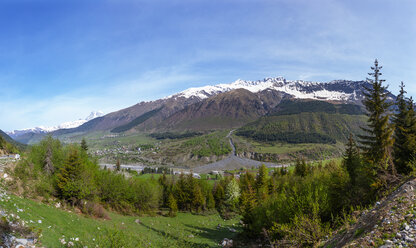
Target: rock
{"type": "Point", "coordinates": [227, 242]}
{"type": "Point", "coordinates": [388, 242]}
{"type": "Point", "coordinates": [22, 241]}
{"type": "Point", "coordinates": [232, 230]}
{"type": "Point", "coordinates": [137, 221]}
{"type": "Point", "coordinates": [410, 240]}
{"type": "Point", "coordinates": [398, 236]}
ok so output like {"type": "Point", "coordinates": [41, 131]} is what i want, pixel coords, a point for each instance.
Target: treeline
{"type": "Point", "coordinates": [157, 170]}
{"type": "Point", "coordinates": [287, 137]}
{"type": "Point", "coordinates": [170, 135]}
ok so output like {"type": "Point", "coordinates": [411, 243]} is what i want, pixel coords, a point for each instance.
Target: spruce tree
{"type": "Point", "coordinates": [352, 160]}
{"type": "Point", "coordinates": [67, 179]}
{"type": "Point", "coordinates": [84, 145]}
{"type": "Point", "coordinates": [262, 183]}
{"type": "Point", "coordinates": [410, 141]}
{"type": "Point", "coordinates": [173, 207]}
{"type": "Point", "coordinates": [402, 120]}
{"type": "Point", "coordinates": [376, 144]}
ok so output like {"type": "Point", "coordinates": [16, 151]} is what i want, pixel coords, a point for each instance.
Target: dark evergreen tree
{"type": "Point", "coordinates": [301, 168]}
{"type": "Point", "coordinates": [402, 120]}
{"type": "Point", "coordinates": [84, 145]}
{"type": "Point", "coordinates": [377, 143]}
{"type": "Point", "coordinates": [173, 207]}
{"type": "Point", "coordinates": [352, 161]}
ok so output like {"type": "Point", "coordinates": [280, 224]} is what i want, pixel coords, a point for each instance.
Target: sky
{"type": "Point", "coordinates": [62, 59]}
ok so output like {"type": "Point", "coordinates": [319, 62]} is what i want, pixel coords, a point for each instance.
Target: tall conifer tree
{"type": "Point", "coordinates": [402, 120]}
{"type": "Point", "coordinates": [377, 143]}
{"type": "Point", "coordinates": [352, 160]}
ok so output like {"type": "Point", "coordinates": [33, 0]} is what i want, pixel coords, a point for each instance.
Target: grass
{"type": "Point", "coordinates": [156, 231]}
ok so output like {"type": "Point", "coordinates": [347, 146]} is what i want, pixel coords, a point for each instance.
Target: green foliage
{"type": "Point", "coordinates": [73, 181]}
{"type": "Point", "coordinates": [84, 145]}
{"type": "Point", "coordinates": [232, 193]}
{"type": "Point", "coordinates": [404, 148]}
{"type": "Point", "coordinates": [352, 161]}
{"type": "Point", "coordinates": [139, 120]}
{"type": "Point", "coordinates": [377, 142]}
{"type": "Point", "coordinates": [10, 145]}
{"type": "Point", "coordinates": [309, 127]}
{"type": "Point", "coordinates": [207, 145]}
{"type": "Point", "coordinates": [78, 179]}
{"type": "Point", "coordinates": [302, 205]}
{"type": "Point", "coordinates": [291, 107]}
{"type": "Point", "coordinates": [173, 207]}
{"type": "Point", "coordinates": [170, 135]}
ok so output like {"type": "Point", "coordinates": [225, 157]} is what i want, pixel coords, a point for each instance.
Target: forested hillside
{"type": "Point", "coordinates": [307, 122]}
{"type": "Point", "coordinates": [7, 144]}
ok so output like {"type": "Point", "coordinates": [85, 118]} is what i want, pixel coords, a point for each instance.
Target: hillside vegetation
{"type": "Point", "coordinates": [8, 145]}
{"type": "Point", "coordinates": [306, 122]}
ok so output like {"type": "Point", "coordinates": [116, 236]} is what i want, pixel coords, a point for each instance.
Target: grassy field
{"type": "Point", "coordinates": [185, 230]}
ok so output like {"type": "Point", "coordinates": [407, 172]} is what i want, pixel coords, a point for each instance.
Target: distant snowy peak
{"type": "Point", "coordinates": [65, 125]}
{"type": "Point", "coordinates": [94, 114]}
{"type": "Point", "coordinates": [337, 90]}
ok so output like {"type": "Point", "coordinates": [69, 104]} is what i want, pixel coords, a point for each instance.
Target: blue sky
{"type": "Point", "coordinates": [60, 60]}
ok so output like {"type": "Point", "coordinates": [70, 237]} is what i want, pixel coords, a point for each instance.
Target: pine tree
{"type": "Point", "coordinates": [352, 161]}
{"type": "Point", "coordinates": [67, 186]}
{"type": "Point", "coordinates": [197, 199]}
{"type": "Point", "coordinates": [210, 201]}
{"type": "Point", "coordinates": [84, 145]}
{"type": "Point", "coordinates": [173, 207]}
{"type": "Point", "coordinates": [376, 144]}
{"type": "Point", "coordinates": [219, 195]}
{"type": "Point", "coordinates": [262, 183]}
{"type": "Point", "coordinates": [402, 123]}
{"type": "Point", "coordinates": [410, 139]}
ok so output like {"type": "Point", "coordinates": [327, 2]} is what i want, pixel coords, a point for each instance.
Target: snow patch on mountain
{"type": "Point", "coordinates": [65, 125]}
{"type": "Point", "coordinates": [298, 89]}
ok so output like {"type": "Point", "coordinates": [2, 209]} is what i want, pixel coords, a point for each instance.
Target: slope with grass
{"type": "Point", "coordinates": [185, 230]}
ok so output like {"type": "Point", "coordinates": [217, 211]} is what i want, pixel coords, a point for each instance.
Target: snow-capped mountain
{"type": "Point", "coordinates": [65, 125]}
{"type": "Point", "coordinates": [337, 90]}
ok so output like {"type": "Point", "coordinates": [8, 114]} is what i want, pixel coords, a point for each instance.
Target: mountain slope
{"type": "Point", "coordinates": [28, 134]}
{"type": "Point", "coordinates": [8, 145]}
{"type": "Point", "coordinates": [308, 122]}
{"type": "Point", "coordinates": [223, 111]}
{"type": "Point", "coordinates": [340, 90]}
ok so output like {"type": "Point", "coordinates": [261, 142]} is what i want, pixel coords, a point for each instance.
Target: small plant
{"type": "Point", "coordinates": [358, 232]}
